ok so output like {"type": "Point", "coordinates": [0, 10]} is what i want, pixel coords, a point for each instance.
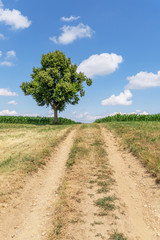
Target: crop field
{"type": "Point", "coordinates": [143, 139]}
{"type": "Point", "coordinates": [129, 117]}
{"type": "Point", "coordinates": [34, 120]}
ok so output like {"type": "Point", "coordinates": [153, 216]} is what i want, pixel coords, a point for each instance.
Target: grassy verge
{"type": "Point", "coordinates": [143, 140]}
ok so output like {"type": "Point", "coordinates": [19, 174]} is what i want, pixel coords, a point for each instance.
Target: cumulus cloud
{"type": "Point", "coordinates": [0, 53]}
{"type": "Point", "coordinates": [6, 63]}
{"type": "Point", "coordinates": [71, 33]}
{"type": "Point", "coordinates": [124, 98]}
{"type": "Point", "coordinates": [14, 18]}
{"type": "Point", "coordinates": [12, 102]}
{"type": "Point", "coordinates": [138, 112]}
{"type": "Point", "coordinates": [101, 65]}
{"type": "Point", "coordinates": [93, 118]}
{"type": "Point", "coordinates": [30, 115]}
{"type": "Point", "coordinates": [81, 115]}
{"type": "Point", "coordinates": [69, 19]}
{"type": "Point", "coordinates": [10, 54]}
{"type": "Point", "coordinates": [144, 80]}
{"type": "Point", "coordinates": [87, 117]}
{"type": "Point", "coordinates": [2, 37]}
{"type": "Point", "coordinates": [74, 112]}
{"type": "Point", "coordinates": [7, 93]}
{"type": "Point", "coordinates": [8, 113]}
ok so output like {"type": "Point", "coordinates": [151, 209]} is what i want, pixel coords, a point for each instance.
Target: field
{"type": "Point", "coordinates": [87, 181]}
{"type": "Point", "coordinates": [23, 148]}
{"type": "Point", "coordinates": [129, 118]}
{"type": "Point", "coordinates": [34, 120]}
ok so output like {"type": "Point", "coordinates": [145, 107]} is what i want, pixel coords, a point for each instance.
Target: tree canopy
{"type": "Point", "coordinates": [56, 83]}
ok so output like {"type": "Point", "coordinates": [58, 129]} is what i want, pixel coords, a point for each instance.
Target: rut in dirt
{"type": "Point", "coordinates": [31, 218]}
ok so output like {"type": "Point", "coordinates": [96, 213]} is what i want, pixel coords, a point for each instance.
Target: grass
{"type": "Point", "coordinates": [143, 140]}
{"type": "Point", "coordinates": [106, 203]}
{"type": "Point", "coordinates": [117, 236]}
{"type": "Point", "coordinates": [24, 148]}
{"type": "Point", "coordinates": [76, 150]}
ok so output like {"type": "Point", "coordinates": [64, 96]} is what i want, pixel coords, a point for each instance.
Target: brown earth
{"type": "Point", "coordinates": [137, 205]}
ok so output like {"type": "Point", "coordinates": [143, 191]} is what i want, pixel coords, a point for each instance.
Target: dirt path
{"type": "Point", "coordinates": [104, 191]}
{"type": "Point", "coordinates": [87, 202]}
{"type": "Point", "coordinates": [138, 194]}
{"type": "Point", "coordinates": [107, 193]}
{"type": "Point", "coordinates": [30, 217]}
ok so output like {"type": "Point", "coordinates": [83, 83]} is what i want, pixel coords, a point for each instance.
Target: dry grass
{"type": "Point", "coordinates": [24, 148]}
{"type": "Point", "coordinates": [143, 139]}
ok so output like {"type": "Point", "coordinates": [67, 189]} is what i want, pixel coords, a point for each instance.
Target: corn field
{"type": "Point", "coordinates": [129, 117]}
{"type": "Point", "coordinates": [34, 120]}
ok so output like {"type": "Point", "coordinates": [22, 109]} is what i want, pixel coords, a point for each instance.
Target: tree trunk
{"type": "Point", "coordinates": [55, 115]}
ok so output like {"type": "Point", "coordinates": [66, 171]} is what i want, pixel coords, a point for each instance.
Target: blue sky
{"type": "Point", "coordinates": [115, 42]}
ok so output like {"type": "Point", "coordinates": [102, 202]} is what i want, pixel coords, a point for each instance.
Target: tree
{"type": "Point", "coordinates": [56, 83]}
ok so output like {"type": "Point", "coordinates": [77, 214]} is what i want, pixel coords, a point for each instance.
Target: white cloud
{"type": "Point", "coordinates": [8, 113]}
{"type": "Point", "coordinates": [122, 99]}
{"type": "Point", "coordinates": [81, 115]}
{"type": "Point", "coordinates": [69, 19]}
{"type": "Point", "coordinates": [138, 113]}
{"type": "Point", "coordinates": [101, 65]}
{"type": "Point", "coordinates": [6, 63]}
{"type": "Point", "coordinates": [93, 118]}
{"type": "Point", "coordinates": [0, 53]}
{"type": "Point", "coordinates": [2, 37]}
{"type": "Point", "coordinates": [71, 33]}
{"type": "Point", "coordinates": [6, 92]}
{"type": "Point", "coordinates": [144, 80]}
{"type": "Point", "coordinates": [144, 113]}
{"type": "Point", "coordinates": [12, 102]}
{"type": "Point", "coordinates": [14, 18]}
{"type": "Point", "coordinates": [74, 112]}
{"type": "Point", "coordinates": [10, 54]}
{"type": "Point", "coordinates": [50, 112]}
{"type": "Point", "coordinates": [88, 117]}
{"type": "Point", "coordinates": [30, 115]}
